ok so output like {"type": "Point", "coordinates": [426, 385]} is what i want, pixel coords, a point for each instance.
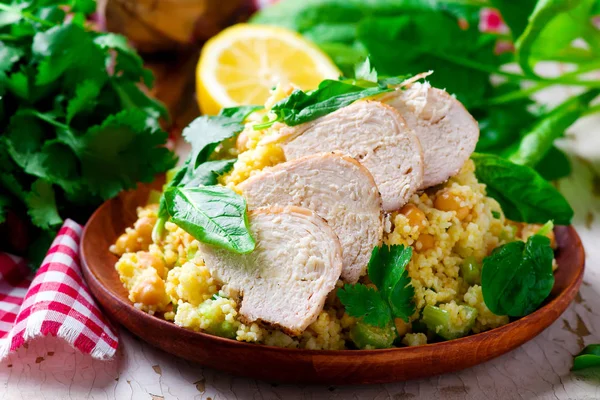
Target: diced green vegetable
{"type": "Point", "coordinates": [217, 326]}
{"type": "Point", "coordinates": [470, 271]}
{"type": "Point", "coordinates": [366, 336]}
{"type": "Point", "coordinates": [439, 321]}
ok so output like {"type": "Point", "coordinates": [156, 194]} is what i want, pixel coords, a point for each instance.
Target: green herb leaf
{"type": "Point", "coordinates": [517, 277]}
{"type": "Point", "coordinates": [538, 141]}
{"type": "Point", "coordinates": [554, 165]}
{"type": "Point", "coordinates": [589, 357]}
{"type": "Point", "coordinates": [85, 98]}
{"type": "Point", "coordinates": [301, 107]}
{"type": "Point", "coordinates": [212, 214]}
{"type": "Point", "coordinates": [120, 153]}
{"type": "Point", "coordinates": [42, 205]}
{"type": "Point", "coordinates": [364, 302]}
{"type": "Point", "coordinates": [206, 132]}
{"type": "Point", "coordinates": [4, 203]}
{"type": "Point", "coordinates": [553, 26]}
{"type": "Point", "coordinates": [387, 270]}
{"type": "Point", "coordinates": [522, 193]}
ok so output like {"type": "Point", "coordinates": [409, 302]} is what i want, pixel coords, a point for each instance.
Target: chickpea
{"type": "Point", "coordinates": [446, 201]}
{"type": "Point", "coordinates": [415, 216]}
{"type": "Point", "coordinates": [425, 242]}
{"type": "Point", "coordinates": [149, 291]}
{"type": "Point", "coordinates": [144, 226]}
{"type": "Point", "coordinates": [149, 260]}
{"type": "Point", "coordinates": [402, 327]}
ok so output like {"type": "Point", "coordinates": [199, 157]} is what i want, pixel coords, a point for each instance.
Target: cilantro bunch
{"type": "Point", "coordinates": [75, 126]}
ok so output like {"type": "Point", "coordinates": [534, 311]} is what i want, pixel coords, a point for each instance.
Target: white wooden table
{"type": "Point", "coordinates": [50, 369]}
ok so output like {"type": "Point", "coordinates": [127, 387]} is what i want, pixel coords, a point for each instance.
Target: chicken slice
{"type": "Point", "coordinates": [285, 280]}
{"type": "Point", "coordinates": [448, 133]}
{"type": "Point", "coordinates": [376, 135]}
{"type": "Point", "coordinates": [337, 188]}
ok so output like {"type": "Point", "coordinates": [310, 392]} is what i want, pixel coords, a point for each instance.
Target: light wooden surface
{"type": "Point", "coordinates": [50, 369]}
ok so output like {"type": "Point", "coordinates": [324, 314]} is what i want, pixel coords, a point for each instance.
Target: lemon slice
{"type": "Point", "coordinates": [242, 63]}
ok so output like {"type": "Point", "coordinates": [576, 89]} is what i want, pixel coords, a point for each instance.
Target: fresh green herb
{"type": "Point", "coordinates": [367, 303]}
{"type": "Point", "coordinates": [301, 107]}
{"type": "Point", "coordinates": [522, 193]}
{"type": "Point", "coordinates": [517, 277]}
{"type": "Point", "coordinates": [552, 28]}
{"type": "Point", "coordinates": [395, 295]}
{"type": "Point", "coordinates": [538, 141]}
{"type": "Point", "coordinates": [75, 126]}
{"type": "Point", "coordinates": [496, 214]}
{"type": "Point", "coordinates": [205, 133]}
{"type": "Point", "coordinates": [212, 214]}
{"type": "Point", "coordinates": [589, 357]}
{"type": "Point", "coordinates": [438, 320]}
{"type": "Point", "coordinates": [554, 165]}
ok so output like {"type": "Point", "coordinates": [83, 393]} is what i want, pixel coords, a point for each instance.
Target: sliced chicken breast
{"type": "Point", "coordinates": [337, 188]}
{"type": "Point", "coordinates": [285, 280]}
{"type": "Point", "coordinates": [376, 135]}
{"type": "Point", "coordinates": [448, 133]}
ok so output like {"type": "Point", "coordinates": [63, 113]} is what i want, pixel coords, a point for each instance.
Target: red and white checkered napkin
{"type": "Point", "coordinates": [55, 302]}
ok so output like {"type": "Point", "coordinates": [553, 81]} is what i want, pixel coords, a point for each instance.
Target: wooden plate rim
{"type": "Point", "coordinates": [549, 308]}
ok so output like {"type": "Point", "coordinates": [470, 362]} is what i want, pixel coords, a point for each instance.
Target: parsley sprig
{"type": "Point", "coordinates": [394, 297]}
{"type": "Point", "coordinates": [76, 127]}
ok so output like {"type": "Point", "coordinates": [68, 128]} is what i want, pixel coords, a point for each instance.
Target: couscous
{"type": "Point", "coordinates": [450, 227]}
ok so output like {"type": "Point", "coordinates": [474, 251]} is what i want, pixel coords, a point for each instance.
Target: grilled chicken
{"type": "Point", "coordinates": [448, 133]}
{"type": "Point", "coordinates": [285, 280]}
{"type": "Point", "coordinates": [373, 133]}
{"type": "Point", "coordinates": [337, 188]}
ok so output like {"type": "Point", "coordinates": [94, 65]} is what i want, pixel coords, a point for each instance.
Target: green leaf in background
{"type": "Point", "coordinates": [301, 107]}
{"type": "Point", "coordinates": [589, 357]}
{"type": "Point", "coordinates": [522, 193]}
{"type": "Point", "coordinates": [364, 302]}
{"type": "Point", "coordinates": [517, 277]}
{"type": "Point", "coordinates": [120, 153]}
{"type": "Point", "coordinates": [41, 205]}
{"type": "Point", "coordinates": [538, 141]}
{"type": "Point", "coordinates": [4, 203]}
{"type": "Point", "coordinates": [553, 26]}
{"type": "Point", "coordinates": [554, 165]}
{"type": "Point", "coordinates": [84, 99]}
{"type": "Point", "coordinates": [212, 214]}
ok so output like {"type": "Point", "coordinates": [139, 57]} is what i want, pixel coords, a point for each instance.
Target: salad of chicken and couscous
{"type": "Point", "coordinates": [353, 216]}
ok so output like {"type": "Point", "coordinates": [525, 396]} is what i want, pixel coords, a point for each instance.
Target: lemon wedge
{"type": "Point", "coordinates": [241, 64]}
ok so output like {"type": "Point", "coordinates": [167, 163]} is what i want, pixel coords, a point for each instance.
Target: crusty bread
{"type": "Point", "coordinates": [448, 133]}
{"type": "Point", "coordinates": [376, 135]}
{"type": "Point", "coordinates": [285, 280]}
{"type": "Point", "coordinates": [337, 188]}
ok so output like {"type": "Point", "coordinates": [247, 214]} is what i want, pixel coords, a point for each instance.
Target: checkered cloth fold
{"type": "Point", "coordinates": [56, 301]}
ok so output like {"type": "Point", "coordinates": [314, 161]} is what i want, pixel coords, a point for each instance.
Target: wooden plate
{"type": "Point", "coordinates": [310, 366]}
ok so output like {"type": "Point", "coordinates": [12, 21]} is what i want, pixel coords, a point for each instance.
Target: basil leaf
{"type": "Point", "coordinates": [587, 358]}
{"type": "Point", "coordinates": [207, 173]}
{"type": "Point", "coordinates": [212, 214]}
{"type": "Point", "coordinates": [301, 107]}
{"type": "Point", "coordinates": [522, 193]}
{"type": "Point", "coordinates": [517, 277]}
{"type": "Point", "coordinates": [555, 165]}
